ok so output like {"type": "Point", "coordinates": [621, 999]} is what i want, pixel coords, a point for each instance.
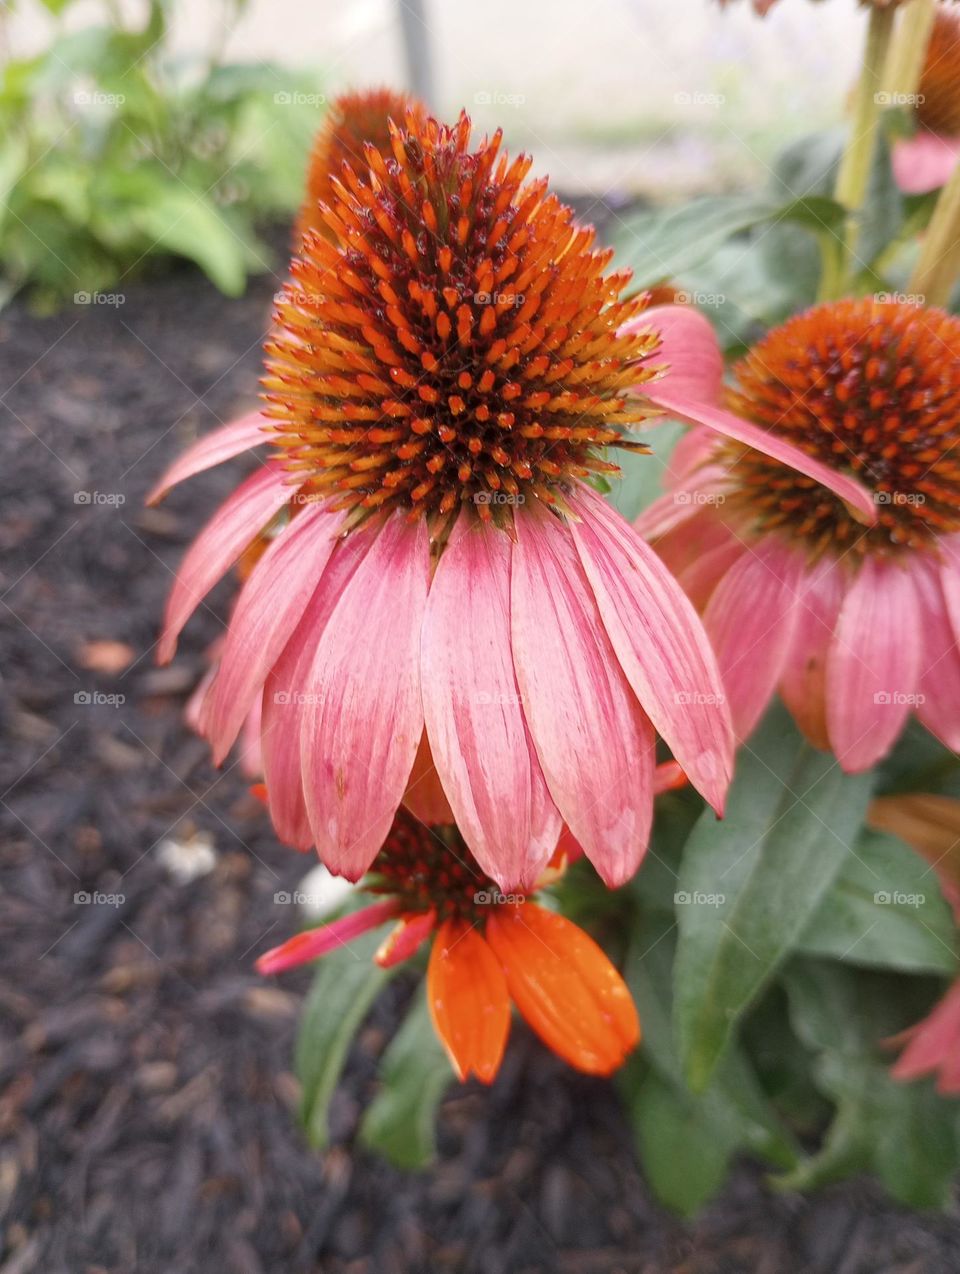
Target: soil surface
{"type": "Point", "coordinates": [147, 1104]}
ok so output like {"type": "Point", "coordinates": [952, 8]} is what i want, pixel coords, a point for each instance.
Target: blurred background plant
{"type": "Point", "coordinates": [116, 150]}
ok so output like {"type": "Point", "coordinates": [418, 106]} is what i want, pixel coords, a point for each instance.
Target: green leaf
{"type": "Point", "coordinates": [884, 909]}
{"type": "Point", "coordinates": [663, 244]}
{"type": "Point", "coordinates": [400, 1122]}
{"type": "Point", "coordinates": [684, 1155]}
{"type": "Point", "coordinates": [748, 886]}
{"type": "Point", "coordinates": [345, 986]}
{"type": "Point", "coordinates": [883, 209]}
{"type": "Point", "coordinates": [182, 222]}
{"type": "Point", "coordinates": [808, 166]}
{"type": "Point", "coordinates": [904, 1133]}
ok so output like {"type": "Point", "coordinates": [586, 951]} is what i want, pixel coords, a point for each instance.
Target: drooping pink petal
{"type": "Point", "coordinates": [313, 943]}
{"type": "Point", "coordinates": [471, 702]}
{"type": "Point", "coordinates": [697, 412]}
{"type": "Point", "coordinates": [285, 697]}
{"type": "Point", "coordinates": [699, 578]}
{"type": "Point", "coordinates": [212, 449]}
{"type": "Point", "coordinates": [405, 939]}
{"type": "Point", "coordinates": [359, 742]}
{"type": "Point", "coordinates": [750, 620]}
{"type": "Point", "coordinates": [241, 517]}
{"type": "Point", "coordinates": [688, 498]}
{"type": "Point", "coordinates": [692, 454]}
{"type": "Point", "coordinates": [938, 705]}
{"type": "Point", "coordinates": [688, 349]}
{"type": "Point", "coordinates": [924, 162]}
{"type": "Point", "coordinates": [804, 683]}
{"type": "Point", "coordinates": [933, 1045]}
{"type": "Point", "coordinates": [251, 751]}
{"type": "Point", "coordinates": [594, 741]}
{"type": "Point", "coordinates": [660, 643]}
{"type": "Point", "coordinates": [873, 664]}
{"type": "Point", "coordinates": [268, 609]}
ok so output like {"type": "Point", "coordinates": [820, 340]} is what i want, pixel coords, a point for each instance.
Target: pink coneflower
{"type": "Point", "coordinates": [443, 585]}
{"type": "Point", "coordinates": [855, 625]}
{"type": "Point", "coordinates": [925, 161]}
{"type": "Point", "coordinates": [488, 950]}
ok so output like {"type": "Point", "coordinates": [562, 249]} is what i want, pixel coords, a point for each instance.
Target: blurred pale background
{"type": "Point", "coordinates": [668, 96]}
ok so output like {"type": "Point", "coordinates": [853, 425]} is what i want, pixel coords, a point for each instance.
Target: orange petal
{"type": "Point", "coordinates": [468, 999]}
{"type": "Point", "coordinates": [405, 938]}
{"type": "Point", "coordinates": [565, 987]}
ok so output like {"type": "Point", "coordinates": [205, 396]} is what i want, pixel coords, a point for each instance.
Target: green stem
{"type": "Point", "coordinates": [854, 174]}
{"type": "Point", "coordinates": [908, 51]}
{"type": "Point", "coordinates": [938, 267]}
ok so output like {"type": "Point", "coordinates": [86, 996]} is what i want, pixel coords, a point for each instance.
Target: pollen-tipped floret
{"type": "Point", "coordinates": [453, 337]}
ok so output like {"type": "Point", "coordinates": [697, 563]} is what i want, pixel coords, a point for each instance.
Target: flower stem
{"type": "Point", "coordinates": [938, 266]}
{"type": "Point", "coordinates": [854, 174]}
{"type": "Point", "coordinates": [907, 52]}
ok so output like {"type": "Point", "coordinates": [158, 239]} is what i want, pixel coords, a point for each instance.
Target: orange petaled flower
{"type": "Point", "coordinates": [488, 949]}
{"type": "Point", "coordinates": [353, 121]}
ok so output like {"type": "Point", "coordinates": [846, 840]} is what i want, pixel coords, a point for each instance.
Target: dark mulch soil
{"type": "Point", "coordinates": [147, 1115]}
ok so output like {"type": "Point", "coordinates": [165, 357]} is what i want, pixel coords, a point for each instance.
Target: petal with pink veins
{"type": "Point", "coordinates": [660, 643]}
{"type": "Point", "coordinates": [360, 737]}
{"type": "Point", "coordinates": [285, 699]}
{"type": "Point", "coordinates": [241, 517]}
{"type": "Point", "coordinates": [804, 682]}
{"type": "Point", "coordinates": [478, 736]}
{"type": "Point", "coordinates": [213, 449]}
{"type": "Point", "coordinates": [939, 685]}
{"type": "Point", "coordinates": [268, 609]}
{"type": "Point", "coordinates": [873, 665]}
{"type": "Point", "coordinates": [924, 162]}
{"type": "Point", "coordinates": [750, 621]}
{"type": "Point", "coordinates": [595, 743]}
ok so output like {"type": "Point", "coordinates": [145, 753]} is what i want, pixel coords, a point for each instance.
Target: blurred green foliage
{"type": "Point", "coordinates": [115, 150]}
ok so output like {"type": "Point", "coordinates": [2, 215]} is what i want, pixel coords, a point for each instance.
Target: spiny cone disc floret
{"type": "Point", "coordinates": [352, 120]}
{"type": "Point", "coordinates": [431, 869]}
{"type": "Point", "coordinates": [872, 388]}
{"type": "Point", "coordinates": [455, 340]}
{"type": "Point", "coordinates": [938, 93]}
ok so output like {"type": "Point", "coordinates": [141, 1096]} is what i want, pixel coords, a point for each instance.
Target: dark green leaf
{"type": "Point", "coordinates": [345, 986]}
{"type": "Point", "coordinates": [415, 1073]}
{"type": "Point", "coordinates": [885, 909]}
{"type": "Point", "coordinates": [748, 886]}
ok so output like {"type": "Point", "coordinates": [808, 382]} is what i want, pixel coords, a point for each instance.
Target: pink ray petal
{"type": "Point", "coordinates": [873, 665]}
{"type": "Point", "coordinates": [804, 681]}
{"type": "Point", "coordinates": [313, 943]}
{"type": "Point", "coordinates": [700, 577]}
{"type": "Point", "coordinates": [692, 454]}
{"type": "Point", "coordinates": [286, 700]}
{"type": "Point", "coordinates": [660, 642]}
{"type": "Point", "coordinates": [697, 412]}
{"type": "Point", "coordinates": [924, 162]}
{"type": "Point", "coordinates": [405, 939]}
{"type": "Point", "coordinates": [688, 349]}
{"type": "Point", "coordinates": [595, 743]}
{"type": "Point", "coordinates": [358, 744]}
{"type": "Point", "coordinates": [238, 520]}
{"type": "Point", "coordinates": [750, 620]}
{"type": "Point", "coordinates": [933, 1041]}
{"type": "Point", "coordinates": [471, 703]}
{"type": "Point", "coordinates": [251, 752]}
{"type": "Point", "coordinates": [268, 609]}
{"type": "Point", "coordinates": [939, 685]}
{"type": "Point", "coordinates": [212, 449]}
